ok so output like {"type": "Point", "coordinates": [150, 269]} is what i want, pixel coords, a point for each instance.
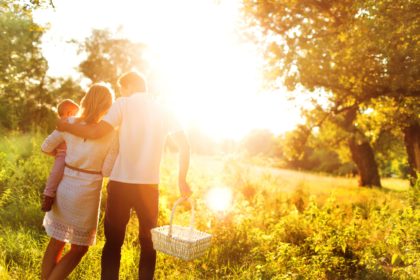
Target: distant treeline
{"type": "Point", "coordinates": [285, 151]}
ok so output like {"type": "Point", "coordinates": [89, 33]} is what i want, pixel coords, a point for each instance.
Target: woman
{"type": "Point", "coordinates": [74, 215]}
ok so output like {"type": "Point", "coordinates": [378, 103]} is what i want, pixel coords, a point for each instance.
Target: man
{"type": "Point", "coordinates": [143, 127]}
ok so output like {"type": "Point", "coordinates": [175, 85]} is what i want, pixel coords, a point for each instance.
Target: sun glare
{"type": "Point", "coordinates": [201, 65]}
{"type": "Point", "coordinates": [219, 199]}
{"type": "Point", "coordinates": [207, 72]}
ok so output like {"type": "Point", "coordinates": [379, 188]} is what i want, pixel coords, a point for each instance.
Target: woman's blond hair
{"type": "Point", "coordinates": [96, 103]}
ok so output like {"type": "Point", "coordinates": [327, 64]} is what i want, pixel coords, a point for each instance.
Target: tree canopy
{"type": "Point", "coordinates": [22, 65]}
{"type": "Point", "coordinates": [107, 57]}
{"type": "Point", "coordinates": [352, 52]}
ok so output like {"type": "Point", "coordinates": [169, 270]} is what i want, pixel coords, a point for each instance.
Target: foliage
{"type": "Point", "coordinates": [357, 50]}
{"type": "Point", "coordinates": [108, 57]}
{"type": "Point", "coordinates": [22, 66]}
{"type": "Point", "coordinates": [324, 150]}
{"type": "Point", "coordinates": [350, 54]}
{"type": "Point", "coordinates": [282, 225]}
{"type": "Point", "coordinates": [27, 95]}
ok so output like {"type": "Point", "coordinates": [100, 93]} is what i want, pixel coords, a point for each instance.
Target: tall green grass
{"type": "Point", "coordinates": [282, 225]}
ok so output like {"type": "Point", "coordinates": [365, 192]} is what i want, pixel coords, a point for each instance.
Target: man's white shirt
{"type": "Point", "coordinates": [143, 127]}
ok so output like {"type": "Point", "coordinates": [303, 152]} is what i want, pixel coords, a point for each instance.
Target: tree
{"type": "Point", "coordinates": [392, 118]}
{"type": "Point", "coordinates": [27, 95]}
{"type": "Point", "coordinates": [22, 66]}
{"type": "Point", "coordinates": [108, 58]}
{"type": "Point", "coordinates": [412, 143]}
{"type": "Point", "coordinates": [350, 52]}
{"type": "Point", "coordinates": [316, 152]}
{"type": "Point", "coordinates": [397, 42]}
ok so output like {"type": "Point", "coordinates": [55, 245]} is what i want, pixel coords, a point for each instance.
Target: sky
{"type": "Point", "coordinates": [214, 75]}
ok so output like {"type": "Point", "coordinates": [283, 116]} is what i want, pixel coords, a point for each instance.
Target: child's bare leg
{"type": "Point", "coordinates": [51, 257]}
{"type": "Point", "coordinates": [68, 262]}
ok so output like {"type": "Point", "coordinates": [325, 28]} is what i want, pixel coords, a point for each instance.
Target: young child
{"type": "Point", "coordinates": [66, 108]}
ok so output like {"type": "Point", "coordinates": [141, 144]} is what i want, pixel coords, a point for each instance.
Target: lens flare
{"type": "Point", "coordinates": [219, 199]}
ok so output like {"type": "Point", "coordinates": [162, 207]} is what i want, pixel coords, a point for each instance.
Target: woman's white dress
{"type": "Point", "coordinates": [74, 214]}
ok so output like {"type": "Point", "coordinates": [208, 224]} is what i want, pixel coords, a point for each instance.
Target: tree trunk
{"type": "Point", "coordinates": [363, 156]}
{"type": "Point", "coordinates": [412, 146]}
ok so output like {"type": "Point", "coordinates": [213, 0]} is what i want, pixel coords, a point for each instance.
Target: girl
{"type": "Point", "coordinates": [67, 108]}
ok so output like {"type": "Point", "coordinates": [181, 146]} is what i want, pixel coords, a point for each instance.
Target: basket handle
{"type": "Point", "coordinates": [182, 199]}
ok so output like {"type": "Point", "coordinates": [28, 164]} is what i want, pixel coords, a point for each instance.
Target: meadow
{"type": "Point", "coordinates": [282, 224]}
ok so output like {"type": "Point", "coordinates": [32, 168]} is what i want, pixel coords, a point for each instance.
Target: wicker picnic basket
{"type": "Point", "coordinates": [186, 243]}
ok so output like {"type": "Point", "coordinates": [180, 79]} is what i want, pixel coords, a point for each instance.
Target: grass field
{"type": "Point", "coordinates": [282, 224]}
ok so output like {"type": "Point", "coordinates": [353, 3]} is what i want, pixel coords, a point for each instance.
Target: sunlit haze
{"type": "Point", "coordinates": [206, 71]}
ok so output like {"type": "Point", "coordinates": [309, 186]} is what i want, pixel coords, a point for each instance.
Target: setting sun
{"type": "Point", "coordinates": [210, 74]}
